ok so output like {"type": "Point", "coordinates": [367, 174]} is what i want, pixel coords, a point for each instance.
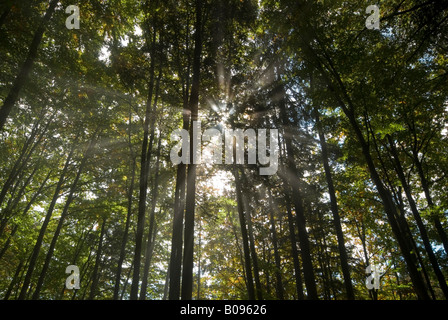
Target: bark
{"type": "Point", "coordinates": [126, 232]}
{"type": "Point", "coordinates": [151, 233]}
{"type": "Point", "coordinates": [425, 186]}
{"type": "Point", "coordinates": [294, 251]}
{"type": "Point", "coordinates": [25, 70]}
{"type": "Point", "coordinates": [43, 229]}
{"type": "Point", "coordinates": [187, 265]}
{"type": "Point", "coordinates": [14, 280]}
{"type": "Point", "coordinates": [423, 232]}
{"type": "Point", "coordinates": [386, 198]}
{"type": "Point", "coordinates": [62, 219]}
{"type": "Point", "coordinates": [22, 159]}
{"type": "Point", "coordinates": [143, 184]}
{"type": "Point", "coordinates": [245, 239]}
{"type": "Point", "coordinates": [175, 267]}
{"type": "Point", "coordinates": [278, 275]}
{"type": "Point", "coordinates": [99, 252]}
{"type": "Point", "coordinates": [247, 209]}
{"type": "Point", "coordinates": [293, 182]}
{"type": "Point", "coordinates": [335, 211]}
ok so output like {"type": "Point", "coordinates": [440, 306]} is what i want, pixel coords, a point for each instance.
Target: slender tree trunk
{"type": "Point", "coordinates": [14, 280]}
{"type": "Point", "coordinates": [175, 267]}
{"type": "Point", "coordinates": [246, 251]}
{"type": "Point", "coordinates": [294, 251]}
{"type": "Point", "coordinates": [25, 70]}
{"type": "Point", "coordinates": [247, 209]}
{"type": "Point", "coordinates": [391, 212]}
{"type": "Point", "coordinates": [143, 186]}
{"type": "Point", "coordinates": [176, 241]}
{"type": "Point", "coordinates": [129, 210]}
{"type": "Point", "coordinates": [385, 196]}
{"type": "Point", "coordinates": [151, 233]}
{"type": "Point", "coordinates": [167, 281]}
{"type": "Point", "coordinates": [423, 233]}
{"type": "Point", "coordinates": [99, 252]}
{"type": "Point", "coordinates": [335, 211]}
{"type": "Point", "coordinates": [293, 180]}
{"type": "Point", "coordinates": [43, 229]}
{"type": "Point", "coordinates": [187, 266]}
{"type": "Point", "coordinates": [62, 219]}
{"type": "Point", "coordinates": [126, 232]}
{"type": "Point", "coordinates": [21, 161]}
{"type": "Point", "coordinates": [278, 275]}
{"type": "Point", "coordinates": [425, 185]}
{"type": "Point", "coordinates": [237, 243]}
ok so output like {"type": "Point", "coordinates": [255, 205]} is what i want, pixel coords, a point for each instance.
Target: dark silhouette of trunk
{"type": "Point", "coordinates": [237, 243]}
{"type": "Point", "coordinates": [386, 197]}
{"type": "Point", "coordinates": [62, 219]}
{"type": "Point", "coordinates": [129, 212]}
{"type": "Point", "coordinates": [293, 182]}
{"type": "Point", "coordinates": [405, 226]}
{"type": "Point", "coordinates": [294, 251]}
{"type": "Point", "coordinates": [245, 239]}
{"type": "Point", "coordinates": [278, 275]}
{"type": "Point", "coordinates": [247, 210]}
{"type": "Point", "coordinates": [25, 154]}
{"type": "Point", "coordinates": [25, 211]}
{"type": "Point", "coordinates": [391, 213]}
{"type": "Point", "coordinates": [151, 233]}
{"type": "Point", "coordinates": [143, 185]}
{"type": "Point", "coordinates": [425, 186]}
{"type": "Point", "coordinates": [335, 211]}
{"type": "Point", "coordinates": [176, 240]}
{"type": "Point", "coordinates": [423, 233]}
{"type": "Point", "coordinates": [43, 229]}
{"type": "Point", "coordinates": [25, 70]}
{"type": "Point", "coordinates": [187, 265]}
{"type": "Point", "coordinates": [99, 252]}
{"type": "Point", "coordinates": [14, 280]}
{"type": "Point", "coordinates": [175, 266]}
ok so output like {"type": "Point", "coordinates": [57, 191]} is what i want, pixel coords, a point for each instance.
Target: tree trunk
{"type": "Point", "coordinates": [294, 251]}
{"type": "Point", "coordinates": [293, 181]}
{"type": "Point", "coordinates": [126, 231]}
{"type": "Point", "coordinates": [175, 267]}
{"type": "Point", "coordinates": [385, 196]}
{"type": "Point", "coordinates": [423, 233]}
{"type": "Point", "coordinates": [425, 186]}
{"type": "Point", "coordinates": [246, 251]}
{"type": "Point", "coordinates": [99, 252]}
{"type": "Point", "coordinates": [247, 210]}
{"type": "Point", "coordinates": [14, 280]}
{"type": "Point", "coordinates": [143, 185]}
{"type": "Point", "coordinates": [335, 211]}
{"type": "Point", "coordinates": [187, 266]}
{"type": "Point", "coordinates": [25, 70]}
{"type": "Point", "coordinates": [278, 275]}
{"type": "Point", "coordinates": [62, 219]}
{"type": "Point", "coordinates": [151, 233]}
{"type": "Point", "coordinates": [43, 229]}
